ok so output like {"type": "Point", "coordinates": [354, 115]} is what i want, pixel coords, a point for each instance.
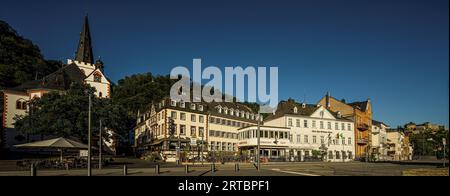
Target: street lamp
{"type": "Point", "coordinates": [258, 140]}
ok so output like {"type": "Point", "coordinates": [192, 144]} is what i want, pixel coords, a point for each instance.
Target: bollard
{"type": "Point", "coordinates": [157, 169]}
{"type": "Point", "coordinates": [125, 170]}
{"type": "Point", "coordinates": [236, 167]}
{"type": "Point", "coordinates": [33, 170]}
{"type": "Point", "coordinates": [186, 168]}
{"type": "Point", "coordinates": [213, 168]}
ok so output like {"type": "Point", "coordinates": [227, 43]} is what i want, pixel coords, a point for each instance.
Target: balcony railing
{"type": "Point", "coordinates": [362, 141]}
{"type": "Point", "coordinates": [363, 126]}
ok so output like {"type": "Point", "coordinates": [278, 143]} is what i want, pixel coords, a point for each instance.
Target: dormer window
{"type": "Point", "coordinates": [163, 103]}
{"type": "Point", "coordinates": [303, 105]}
{"type": "Point", "coordinates": [193, 106]}
{"type": "Point", "coordinates": [247, 115]}
{"type": "Point", "coordinates": [237, 113]}
{"type": "Point", "coordinates": [295, 110]}
{"type": "Point", "coordinates": [182, 104]}
{"type": "Point", "coordinates": [231, 112]}
{"type": "Point", "coordinates": [173, 103]}
{"type": "Point", "coordinates": [200, 107]}
{"type": "Point", "coordinates": [242, 114]}
{"type": "Point", "coordinates": [219, 109]}
{"type": "Point", "coordinates": [225, 110]}
{"type": "Point", "coordinates": [252, 116]}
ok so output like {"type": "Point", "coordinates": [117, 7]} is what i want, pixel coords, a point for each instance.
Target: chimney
{"type": "Point", "coordinates": [327, 101]}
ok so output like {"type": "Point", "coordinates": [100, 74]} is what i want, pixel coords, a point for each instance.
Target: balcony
{"type": "Point", "coordinates": [362, 126]}
{"type": "Point", "coordinates": [362, 141]}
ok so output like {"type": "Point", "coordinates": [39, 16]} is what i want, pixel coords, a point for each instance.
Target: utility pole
{"type": "Point", "coordinates": [100, 147]}
{"type": "Point", "coordinates": [89, 137]}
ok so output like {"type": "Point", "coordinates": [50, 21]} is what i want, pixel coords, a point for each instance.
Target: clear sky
{"type": "Point", "coordinates": [394, 52]}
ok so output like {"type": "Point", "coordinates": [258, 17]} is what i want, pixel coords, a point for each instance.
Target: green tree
{"type": "Point", "coordinates": [65, 114]}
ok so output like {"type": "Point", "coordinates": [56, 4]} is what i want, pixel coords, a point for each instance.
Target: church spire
{"type": "Point", "coordinates": [84, 51]}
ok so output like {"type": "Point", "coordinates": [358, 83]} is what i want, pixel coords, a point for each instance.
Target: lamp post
{"type": "Point", "coordinates": [100, 147]}
{"type": "Point", "coordinates": [258, 141]}
{"type": "Point", "coordinates": [89, 137]}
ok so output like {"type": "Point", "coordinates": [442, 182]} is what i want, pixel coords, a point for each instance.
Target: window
{"type": "Point", "coordinates": [173, 103]}
{"type": "Point", "coordinates": [322, 139]}
{"type": "Point", "coordinates": [211, 132]}
{"type": "Point", "coordinates": [306, 139]}
{"type": "Point", "coordinates": [350, 155]}
{"type": "Point", "coordinates": [201, 119]}
{"type": "Point", "coordinates": [290, 122]}
{"type": "Point", "coordinates": [338, 156]}
{"type": "Point", "coordinates": [349, 141]}
{"type": "Point", "coordinates": [200, 107]}
{"type": "Point", "coordinates": [100, 94]}
{"type": "Point", "coordinates": [297, 122]}
{"type": "Point", "coordinates": [299, 139]}
{"type": "Point", "coordinates": [295, 110]}
{"type": "Point", "coordinates": [342, 126]}
{"type": "Point", "coordinates": [228, 122]}
{"type": "Point", "coordinates": [336, 126]}
{"type": "Point", "coordinates": [329, 125]}
{"type": "Point", "coordinates": [193, 131]}
{"type": "Point", "coordinates": [97, 77]}
{"type": "Point", "coordinates": [21, 105]}
{"type": "Point", "coordinates": [349, 127]}
{"type": "Point", "coordinates": [321, 124]}
{"type": "Point", "coordinates": [217, 120]}
{"type": "Point", "coordinates": [173, 114]}
{"type": "Point", "coordinates": [314, 139]}
{"type": "Point", "coordinates": [182, 116]}
{"type": "Point", "coordinates": [313, 124]}
{"type": "Point", "coordinates": [193, 106]}
{"type": "Point", "coordinates": [224, 122]}
{"type": "Point", "coordinates": [238, 124]}
{"type": "Point", "coordinates": [231, 112]}
{"type": "Point", "coordinates": [225, 110]}
{"type": "Point", "coordinates": [330, 154]}
{"type": "Point", "coordinates": [305, 123]}
{"type": "Point", "coordinates": [182, 129]}
{"type": "Point", "coordinates": [182, 104]}
{"type": "Point", "coordinates": [193, 118]}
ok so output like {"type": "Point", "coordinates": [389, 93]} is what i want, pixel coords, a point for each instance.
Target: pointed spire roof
{"type": "Point", "coordinates": [84, 51]}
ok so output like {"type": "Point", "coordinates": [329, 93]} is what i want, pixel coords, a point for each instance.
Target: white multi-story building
{"type": "Point", "coordinates": [199, 127]}
{"type": "Point", "coordinates": [314, 132]}
{"type": "Point", "coordinates": [379, 140]}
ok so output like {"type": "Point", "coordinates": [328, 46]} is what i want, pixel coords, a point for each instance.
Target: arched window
{"type": "Point", "coordinates": [100, 94]}
{"type": "Point", "coordinates": [18, 104]}
{"type": "Point", "coordinates": [21, 104]}
{"type": "Point", "coordinates": [97, 77]}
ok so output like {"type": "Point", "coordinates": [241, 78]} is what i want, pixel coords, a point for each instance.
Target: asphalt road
{"type": "Point", "coordinates": [143, 168]}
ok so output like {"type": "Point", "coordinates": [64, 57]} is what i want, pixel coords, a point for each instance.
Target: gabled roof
{"type": "Point", "coordinates": [58, 80]}
{"type": "Point", "coordinates": [378, 123]}
{"type": "Point", "coordinates": [287, 107]}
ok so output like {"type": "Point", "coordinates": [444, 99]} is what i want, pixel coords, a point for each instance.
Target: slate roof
{"type": "Point", "coordinates": [58, 80]}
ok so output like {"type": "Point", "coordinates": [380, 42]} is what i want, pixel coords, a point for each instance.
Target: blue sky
{"type": "Point", "coordinates": [394, 52]}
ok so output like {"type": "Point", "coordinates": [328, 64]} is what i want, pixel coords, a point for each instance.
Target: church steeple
{"type": "Point", "coordinates": [84, 51]}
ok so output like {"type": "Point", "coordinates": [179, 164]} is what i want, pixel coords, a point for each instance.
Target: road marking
{"type": "Point", "coordinates": [292, 172]}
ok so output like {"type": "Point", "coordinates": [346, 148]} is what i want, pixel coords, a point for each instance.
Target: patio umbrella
{"type": "Point", "coordinates": [57, 143]}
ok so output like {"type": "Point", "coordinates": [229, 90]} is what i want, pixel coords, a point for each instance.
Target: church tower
{"type": "Point", "coordinates": [84, 51]}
